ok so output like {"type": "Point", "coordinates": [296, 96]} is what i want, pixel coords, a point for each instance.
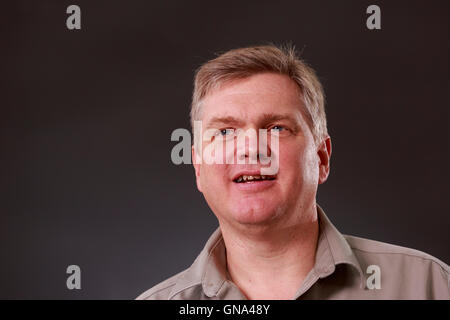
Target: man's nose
{"type": "Point", "coordinates": [248, 146]}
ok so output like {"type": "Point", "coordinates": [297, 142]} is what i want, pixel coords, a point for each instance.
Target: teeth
{"type": "Point", "coordinates": [245, 178]}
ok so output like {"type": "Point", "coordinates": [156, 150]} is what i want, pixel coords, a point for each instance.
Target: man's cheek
{"type": "Point", "coordinates": [212, 174]}
{"type": "Point", "coordinates": [287, 157]}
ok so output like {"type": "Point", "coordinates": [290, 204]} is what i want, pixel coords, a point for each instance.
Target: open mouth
{"type": "Point", "coordinates": [253, 178]}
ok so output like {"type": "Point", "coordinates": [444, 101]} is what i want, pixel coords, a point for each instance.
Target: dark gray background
{"type": "Point", "coordinates": [86, 118]}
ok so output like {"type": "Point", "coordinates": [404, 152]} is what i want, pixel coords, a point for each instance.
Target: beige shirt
{"type": "Point", "coordinates": [345, 267]}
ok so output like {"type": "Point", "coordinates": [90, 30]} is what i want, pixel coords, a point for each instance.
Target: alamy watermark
{"type": "Point", "coordinates": [73, 22]}
{"type": "Point", "coordinates": [227, 146]}
{"type": "Point", "coordinates": [74, 280]}
{"type": "Point", "coordinates": [373, 22]}
{"type": "Point", "coordinates": [374, 280]}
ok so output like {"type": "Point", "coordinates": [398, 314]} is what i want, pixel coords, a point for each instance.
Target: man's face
{"type": "Point", "coordinates": [264, 101]}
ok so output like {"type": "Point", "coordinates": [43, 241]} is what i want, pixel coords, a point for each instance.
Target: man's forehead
{"type": "Point", "coordinates": [267, 85]}
{"type": "Point", "coordinates": [264, 93]}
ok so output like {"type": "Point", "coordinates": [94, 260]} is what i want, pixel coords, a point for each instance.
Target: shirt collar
{"type": "Point", "coordinates": [333, 249]}
{"type": "Point", "coordinates": [209, 269]}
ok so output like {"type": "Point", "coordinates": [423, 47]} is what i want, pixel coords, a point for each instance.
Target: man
{"type": "Point", "coordinates": [274, 241]}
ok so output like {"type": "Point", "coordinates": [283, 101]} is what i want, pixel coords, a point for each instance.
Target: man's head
{"type": "Point", "coordinates": [244, 62]}
{"type": "Point", "coordinates": [262, 88]}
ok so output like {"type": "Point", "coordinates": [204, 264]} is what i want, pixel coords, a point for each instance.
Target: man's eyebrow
{"type": "Point", "coordinates": [272, 117]}
{"type": "Point", "coordinates": [264, 119]}
{"type": "Point", "coordinates": [227, 120]}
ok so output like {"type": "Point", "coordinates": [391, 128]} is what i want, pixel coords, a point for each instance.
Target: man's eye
{"type": "Point", "coordinates": [278, 128]}
{"type": "Point", "coordinates": [226, 132]}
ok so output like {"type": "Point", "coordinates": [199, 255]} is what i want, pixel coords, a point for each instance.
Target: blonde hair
{"type": "Point", "coordinates": [245, 62]}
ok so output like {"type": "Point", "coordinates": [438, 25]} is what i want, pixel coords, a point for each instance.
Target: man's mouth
{"type": "Point", "coordinates": [253, 178]}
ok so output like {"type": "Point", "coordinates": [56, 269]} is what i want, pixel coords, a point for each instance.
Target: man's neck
{"type": "Point", "coordinates": [271, 263]}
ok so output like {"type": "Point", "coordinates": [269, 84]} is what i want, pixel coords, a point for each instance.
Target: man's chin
{"type": "Point", "coordinates": [254, 216]}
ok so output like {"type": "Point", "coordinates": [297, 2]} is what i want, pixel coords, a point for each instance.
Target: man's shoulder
{"type": "Point", "coordinates": [162, 290]}
{"type": "Point", "coordinates": [376, 250]}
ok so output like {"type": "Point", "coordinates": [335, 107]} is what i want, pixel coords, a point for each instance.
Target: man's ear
{"type": "Point", "coordinates": [196, 163]}
{"type": "Point", "coordinates": [324, 153]}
